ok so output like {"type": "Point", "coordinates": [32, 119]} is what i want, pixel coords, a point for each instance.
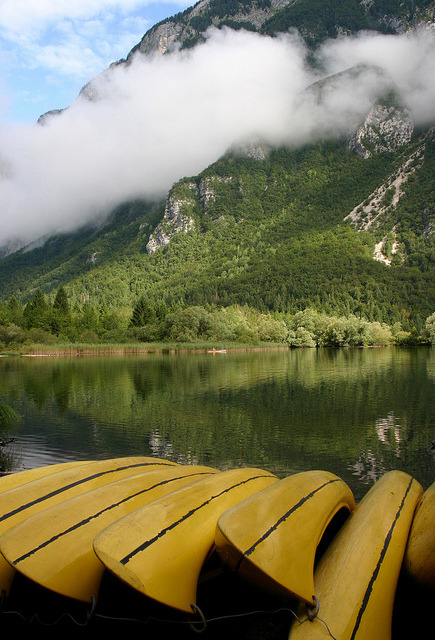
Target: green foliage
{"type": "Point", "coordinates": [14, 310]}
{"type": "Point", "coordinates": [319, 20]}
{"type": "Point", "coordinates": [405, 9]}
{"type": "Point", "coordinates": [61, 301]}
{"type": "Point", "coordinates": [236, 25]}
{"type": "Point", "coordinates": [36, 311]}
{"type": "Point", "coordinates": [153, 322]}
{"type": "Point", "coordinates": [430, 328]}
{"type": "Point", "coordinates": [8, 419]}
{"type": "Point", "coordinates": [310, 328]}
{"type": "Point", "coordinates": [224, 8]}
{"type": "Point", "coordinates": [11, 334]}
{"type": "Point", "coordinates": [189, 325]}
{"type": "Point", "coordinates": [143, 313]}
{"type": "Point", "coordinates": [200, 23]}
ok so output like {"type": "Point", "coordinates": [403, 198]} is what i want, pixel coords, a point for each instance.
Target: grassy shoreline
{"type": "Point", "coordinates": [79, 349]}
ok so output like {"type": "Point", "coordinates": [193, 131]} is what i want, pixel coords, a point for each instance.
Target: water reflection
{"type": "Point", "coordinates": [389, 432]}
{"type": "Point", "coordinates": [368, 468]}
{"type": "Point", "coordinates": [355, 412]}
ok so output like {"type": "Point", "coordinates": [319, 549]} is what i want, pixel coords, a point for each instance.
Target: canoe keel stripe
{"type": "Point", "coordinates": [282, 519]}
{"type": "Point", "coordinates": [187, 515]}
{"type": "Point", "coordinates": [77, 483]}
{"type": "Point", "coordinates": [99, 513]}
{"type": "Point", "coordinates": [379, 563]}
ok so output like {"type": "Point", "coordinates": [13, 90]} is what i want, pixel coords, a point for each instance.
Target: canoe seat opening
{"type": "Point", "coordinates": [330, 532]}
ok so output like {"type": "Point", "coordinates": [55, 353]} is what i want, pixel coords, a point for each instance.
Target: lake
{"type": "Point", "coordinates": [355, 412]}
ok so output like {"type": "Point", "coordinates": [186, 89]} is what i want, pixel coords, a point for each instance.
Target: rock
{"type": "Point", "coordinates": [48, 115]}
{"type": "Point", "coordinates": [176, 219]}
{"type": "Point", "coordinates": [253, 148]}
{"type": "Point", "coordinates": [386, 128]}
{"type": "Point", "coordinates": [207, 191]}
{"type": "Point", "coordinates": [159, 39]}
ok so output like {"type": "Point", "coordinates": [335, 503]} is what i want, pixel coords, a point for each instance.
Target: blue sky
{"type": "Point", "coordinates": [50, 48]}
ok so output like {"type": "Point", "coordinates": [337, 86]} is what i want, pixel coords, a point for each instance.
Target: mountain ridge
{"type": "Point", "coordinates": [188, 28]}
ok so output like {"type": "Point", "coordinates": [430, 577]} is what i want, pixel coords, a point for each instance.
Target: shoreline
{"type": "Point", "coordinates": [149, 349]}
{"type": "Point", "coordinates": [79, 350]}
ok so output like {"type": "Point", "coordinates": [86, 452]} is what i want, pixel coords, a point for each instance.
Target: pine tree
{"type": "Point", "coordinates": [61, 301]}
{"type": "Point", "coordinates": [143, 313]}
{"type": "Point", "coordinates": [15, 311]}
{"type": "Point", "coordinates": [36, 311]}
{"type": "Point", "coordinates": [61, 315]}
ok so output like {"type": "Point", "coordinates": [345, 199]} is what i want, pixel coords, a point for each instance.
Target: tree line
{"type": "Point", "coordinates": [45, 320]}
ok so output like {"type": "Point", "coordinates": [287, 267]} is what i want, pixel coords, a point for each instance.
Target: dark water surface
{"type": "Point", "coordinates": [355, 412]}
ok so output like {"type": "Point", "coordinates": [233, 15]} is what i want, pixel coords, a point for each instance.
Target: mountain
{"type": "Point", "coordinates": [344, 225]}
{"type": "Point", "coordinates": [315, 20]}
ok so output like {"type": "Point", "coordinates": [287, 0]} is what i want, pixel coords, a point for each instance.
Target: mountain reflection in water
{"type": "Point", "coordinates": [355, 412]}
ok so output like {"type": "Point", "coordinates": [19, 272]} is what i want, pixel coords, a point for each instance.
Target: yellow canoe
{"type": "Point", "coordinates": [355, 581]}
{"type": "Point", "coordinates": [271, 538]}
{"type": "Point", "coordinates": [19, 478]}
{"type": "Point", "coordinates": [54, 547]}
{"type": "Point", "coordinates": [420, 551]}
{"type": "Point", "coordinates": [159, 550]}
{"type": "Point", "coordinates": [25, 500]}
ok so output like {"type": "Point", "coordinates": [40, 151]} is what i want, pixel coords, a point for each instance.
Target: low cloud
{"type": "Point", "coordinates": [166, 117]}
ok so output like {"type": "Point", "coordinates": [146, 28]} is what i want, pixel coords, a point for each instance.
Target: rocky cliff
{"type": "Point", "coordinates": [177, 218]}
{"type": "Point", "coordinates": [378, 212]}
{"type": "Point", "coordinates": [386, 128]}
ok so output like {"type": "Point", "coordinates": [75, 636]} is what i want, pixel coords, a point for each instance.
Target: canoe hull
{"type": "Point", "coordinates": [355, 581]}
{"type": "Point", "coordinates": [23, 501]}
{"type": "Point", "coordinates": [271, 538]}
{"type": "Point", "coordinates": [420, 551]}
{"type": "Point", "coordinates": [167, 542]}
{"type": "Point", "coordinates": [54, 548]}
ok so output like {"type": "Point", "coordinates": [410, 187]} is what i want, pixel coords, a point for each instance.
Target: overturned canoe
{"type": "Point", "coordinates": [159, 550]}
{"type": "Point", "coordinates": [355, 581]}
{"type": "Point", "coordinates": [19, 478]}
{"type": "Point", "coordinates": [25, 500]}
{"type": "Point", "coordinates": [271, 538]}
{"type": "Point", "coordinates": [420, 551]}
{"type": "Point", "coordinates": [54, 547]}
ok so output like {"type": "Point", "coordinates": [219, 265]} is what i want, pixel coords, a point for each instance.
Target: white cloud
{"type": "Point", "coordinates": [67, 36]}
{"type": "Point", "coordinates": [71, 58]}
{"type": "Point", "coordinates": [33, 15]}
{"type": "Point", "coordinates": [409, 59]}
{"type": "Point", "coordinates": [167, 117]}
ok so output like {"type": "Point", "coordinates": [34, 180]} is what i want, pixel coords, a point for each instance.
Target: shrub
{"type": "Point", "coordinates": [301, 337]}
{"type": "Point", "coordinates": [379, 334]}
{"type": "Point", "coordinates": [430, 328]}
{"type": "Point", "coordinates": [271, 330]}
{"type": "Point", "coordinates": [37, 335]}
{"type": "Point", "coordinates": [10, 334]}
{"type": "Point", "coordinates": [89, 336]}
{"type": "Point", "coordinates": [187, 325]}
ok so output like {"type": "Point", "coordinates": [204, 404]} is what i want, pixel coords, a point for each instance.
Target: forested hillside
{"type": "Point", "coordinates": [270, 234]}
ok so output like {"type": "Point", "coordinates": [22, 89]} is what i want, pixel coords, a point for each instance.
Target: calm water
{"type": "Point", "coordinates": [355, 412]}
